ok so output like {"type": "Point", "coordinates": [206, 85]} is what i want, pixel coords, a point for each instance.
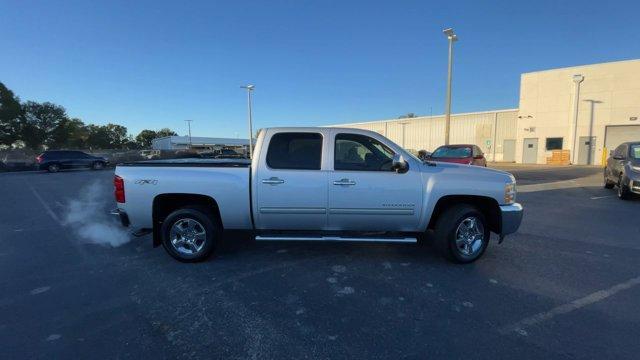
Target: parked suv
{"type": "Point", "coordinates": [55, 160]}
{"type": "Point", "coordinates": [623, 170]}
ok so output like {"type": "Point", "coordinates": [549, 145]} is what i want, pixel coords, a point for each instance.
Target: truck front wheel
{"type": "Point", "coordinates": [189, 234]}
{"type": "Point", "coordinates": [462, 233]}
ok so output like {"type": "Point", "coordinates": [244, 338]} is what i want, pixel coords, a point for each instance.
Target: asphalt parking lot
{"type": "Point", "coordinates": [567, 285]}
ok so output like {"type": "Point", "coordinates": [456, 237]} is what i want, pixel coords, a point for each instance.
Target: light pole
{"type": "Point", "coordinates": [447, 115]}
{"type": "Point", "coordinates": [577, 79]}
{"type": "Point", "coordinates": [249, 90]}
{"type": "Point", "coordinates": [189, 124]}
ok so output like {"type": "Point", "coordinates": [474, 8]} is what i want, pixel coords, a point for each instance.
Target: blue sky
{"type": "Point", "coordinates": [153, 64]}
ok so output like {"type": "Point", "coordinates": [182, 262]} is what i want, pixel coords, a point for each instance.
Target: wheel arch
{"type": "Point", "coordinates": [488, 206]}
{"type": "Point", "coordinates": [165, 204]}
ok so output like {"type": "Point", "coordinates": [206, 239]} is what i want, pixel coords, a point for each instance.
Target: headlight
{"type": "Point", "coordinates": [510, 193]}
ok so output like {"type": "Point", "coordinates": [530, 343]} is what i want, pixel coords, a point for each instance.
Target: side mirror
{"type": "Point", "coordinates": [399, 165]}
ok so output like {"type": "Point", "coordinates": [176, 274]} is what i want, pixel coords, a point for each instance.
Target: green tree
{"type": "Point", "coordinates": [145, 137]}
{"type": "Point", "coordinates": [407, 116]}
{"type": "Point", "coordinates": [70, 134]}
{"type": "Point", "coordinates": [110, 136]}
{"type": "Point", "coordinates": [117, 135]}
{"type": "Point", "coordinates": [10, 114]}
{"type": "Point", "coordinates": [39, 122]}
{"type": "Point", "coordinates": [131, 143]}
{"type": "Point", "coordinates": [166, 132]}
{"type": "Point", "coordinates": [97, 137]}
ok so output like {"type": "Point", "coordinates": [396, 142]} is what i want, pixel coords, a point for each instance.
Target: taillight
{"type": "Point", "coordinates": [118, 184]}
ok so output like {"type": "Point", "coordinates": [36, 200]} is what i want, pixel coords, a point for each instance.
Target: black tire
{"type": "Point", "coordinates": [98, 165]}
{"type": "Point", "coordinates": [205, 219]}
{"type": "Point", "coordinates": [608, 184]}
{"type": "Point", "coordinates": [53, 168]}
{"type": "Point", "coordinates": [623, 190]}
{"type": "Point", "coordinates": [447, 226]}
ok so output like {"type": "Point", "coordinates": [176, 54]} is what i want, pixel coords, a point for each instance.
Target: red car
{"type": "Point", "coordinates": [460, 154]}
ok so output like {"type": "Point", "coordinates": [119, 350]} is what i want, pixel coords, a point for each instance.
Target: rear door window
{"type": "Point", "coordinates": [295, 151]}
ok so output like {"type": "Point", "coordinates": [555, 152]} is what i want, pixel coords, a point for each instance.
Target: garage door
{"type": "Point", "coordinates": [616, 135]}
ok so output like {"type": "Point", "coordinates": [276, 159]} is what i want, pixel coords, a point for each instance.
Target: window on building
{"type": "Point", "coordinates": [297, 151]}
{"type": "Point", "coordinates": [554, 143]}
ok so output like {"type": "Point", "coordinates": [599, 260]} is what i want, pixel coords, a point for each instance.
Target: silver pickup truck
{"type": "Point", "coordinates": [318, 184]}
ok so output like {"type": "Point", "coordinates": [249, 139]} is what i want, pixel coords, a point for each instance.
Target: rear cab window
{"type": "Point", "coordinates": [295, 151]}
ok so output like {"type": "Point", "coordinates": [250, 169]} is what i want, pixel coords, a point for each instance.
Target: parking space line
{"type": "Point", "coordinates": [601, 197]}
{"type": "Point", "coordinates": [556, 185]}
{"type": "Point", "coordinates": [46, 207]}
{"type": "Point", "coordinates": [569, 307]}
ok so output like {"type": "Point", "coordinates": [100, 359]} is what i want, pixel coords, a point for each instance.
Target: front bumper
{"type": "Point", "coordinates": [510, 219]}
{"type": "Point", "coordinates": [634, 185]}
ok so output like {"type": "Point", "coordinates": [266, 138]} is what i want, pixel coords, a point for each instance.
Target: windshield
{"type": "Point", "coordinates": [451, 152]}
{"type": "Point", "coordinates": [635, 151]}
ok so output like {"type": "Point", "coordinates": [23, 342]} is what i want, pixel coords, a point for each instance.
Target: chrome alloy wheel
{"type": "Point", "coordinates": [188, 236]}
{"type": "Point", "coordinates": [470, 236]}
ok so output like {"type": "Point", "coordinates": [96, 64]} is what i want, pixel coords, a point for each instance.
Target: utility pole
{"type": "Point", "coordinates": [447, 115]}
{"type": "Point", "coordinates": [250, 117]}
{"type": "Point", "coordinates": [577, 79]}
{"type": "Point", "coordinates": [189, 124]}
{"type": "Point", "coordinates": [495, 135]}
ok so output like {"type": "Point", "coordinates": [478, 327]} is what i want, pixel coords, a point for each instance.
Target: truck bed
{"type": "Point", "coordinates": [191, 162]}
{"type": "Point", "coordinates": [225, 180]}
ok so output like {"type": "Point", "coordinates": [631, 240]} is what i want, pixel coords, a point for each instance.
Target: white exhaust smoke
{"type": "Point", "coordinates": [88, 217]}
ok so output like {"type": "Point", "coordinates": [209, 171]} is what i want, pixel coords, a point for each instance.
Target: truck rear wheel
{"type": "Point", "coordinates": [462, 234]}
{"type": "Point", "coordinates": [189, 234]}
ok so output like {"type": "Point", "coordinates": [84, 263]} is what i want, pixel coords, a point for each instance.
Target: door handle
{"type": "Point", "coordinates": [273, 181]}
{"type": "Point", "coordinates": [344, 182]}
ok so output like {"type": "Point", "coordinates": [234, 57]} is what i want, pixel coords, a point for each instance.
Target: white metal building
{"type": "Point", "coordinates": [197, 143]}
{"type": "Point", "coordinates": [484, 129]}
{"type": "Point", "coordinates": [599, 103]}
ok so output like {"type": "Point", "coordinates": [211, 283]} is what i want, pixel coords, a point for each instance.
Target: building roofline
{"type": "Point", "coordinates": [424, 117]}
{"type": "Point", "coordinates": [582, 66]}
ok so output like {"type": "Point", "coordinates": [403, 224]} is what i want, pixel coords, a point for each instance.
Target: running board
{"type": "Point", "coordinates": [336, 238]}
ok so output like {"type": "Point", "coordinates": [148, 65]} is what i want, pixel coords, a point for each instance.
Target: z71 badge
{"type": "Point", "coordinates": [146, 182]}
